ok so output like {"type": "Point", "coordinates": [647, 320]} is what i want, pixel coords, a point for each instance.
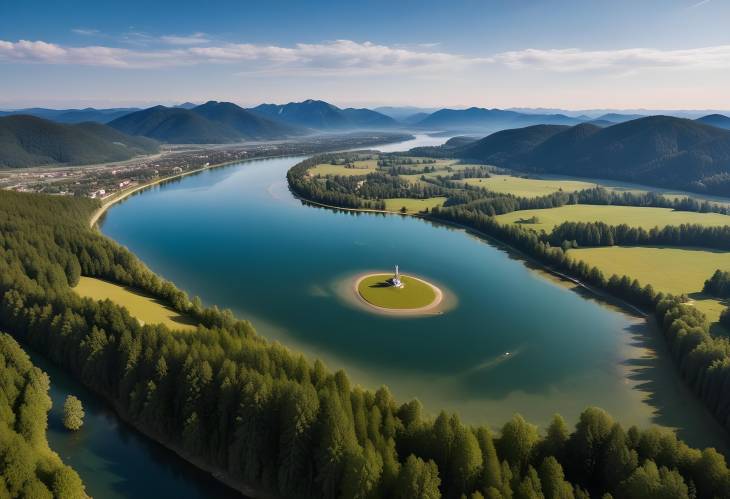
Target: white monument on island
{"type": "Point", "coordinates": [395, 280]}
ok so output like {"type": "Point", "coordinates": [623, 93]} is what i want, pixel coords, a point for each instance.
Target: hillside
{"type": "Point", "coordinates": [211, 123]}
{"type": "Point", "coordinates": [718, 120]}
{"type": "Point", "coordinates": [73, 115]}
{"type": "Point", "coordinates": [30, 141]}
{"type": "Point", "coordinates": [476, 118]}
{"type": "Point", "coordinates": [321, 115]}
{"type": "Point", "coordinates": [656, 150]}
{"type": "Point", "coordinates": [246, 123]}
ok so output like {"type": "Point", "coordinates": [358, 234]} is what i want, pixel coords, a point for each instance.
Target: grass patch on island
{"type": "Point", "coordinates": [145, 309]}
{"type": "Point", "coordinates": [527, 187]}
{"type": "Point", "coordinates": [672, 270]}
{"type": "Point", "coordinates": [614, 215]}
{"type": "Point", "coordinates": [414, 294]}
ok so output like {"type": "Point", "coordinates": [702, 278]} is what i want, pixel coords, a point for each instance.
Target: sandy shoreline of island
{"type": "Point", "coordinates": [433, 308]}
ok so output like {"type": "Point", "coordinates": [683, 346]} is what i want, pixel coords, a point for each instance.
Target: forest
{"type": "Point", "coordinates": [29, 467]}
{"type": "Point", "coordinates": [288, 426]}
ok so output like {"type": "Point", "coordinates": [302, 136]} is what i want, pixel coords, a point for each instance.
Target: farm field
{"type": "Point", "coordinates": [362, 167]}
{"type": "Point", "coordinates": [672, 270]}
{"type": "Point", "coordinates": [147, 310]}
{"type": "Point", "coordinates": [527, 187]}
{"type": "Point", "coordinates": [413, 205]}
{"type": "Point", "coordinates": [613, 215]}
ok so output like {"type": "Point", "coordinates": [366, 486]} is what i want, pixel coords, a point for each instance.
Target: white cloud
{"type": "Point", "coordinates": [333, 55]}
{"type": "Point", "coordinates": [573, 59]}
{"type": "Point", "coordinates": [350, 57]}
{"type": "Point", "coordinates": [85, 31]}
{"type": "Point", "coordinates": [194, 39]}
{"type": "Point", "coordinates": [699, 4]}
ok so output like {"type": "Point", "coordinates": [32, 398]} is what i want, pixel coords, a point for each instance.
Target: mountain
{"type": "Point", "coordinates": [321, 115]}
{"type": "Point", "coordinates": [187, 105]}
{"type": "Point", "coordinates": [212, 123]}
{"type": "Point", "coordinates": [249, 125]}
{"type": "Point", "coordinates": [401, 113]}
{"type": "Point", "coordinates": [367, 118]}
{"type": "Point", "coordinates": [718, 120]}
{"type": "Point", "coordinates": [30, 141]}
{"type": "Point", "coordinates": [476, 118]}
{"type": "Point", "coordinates": [619, 118]}
{"type": "Point", "coordinates": [73, 115]}
{"type": "Point", "coordinates": [655, 150]}
{"type": "Point", "coordinates": [507, 147]}
{"type": "Point", "coordinates": [412, 119]}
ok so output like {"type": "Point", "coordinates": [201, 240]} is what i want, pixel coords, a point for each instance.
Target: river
{"type": "Point", "coordinates": [516, 341]}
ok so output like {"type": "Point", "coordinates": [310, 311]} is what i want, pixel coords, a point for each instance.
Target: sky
{"type": "Point", "coordinates": [568, 54]}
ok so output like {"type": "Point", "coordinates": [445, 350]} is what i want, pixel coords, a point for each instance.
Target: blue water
{"type": "Point", "coordinates": [236, 237]}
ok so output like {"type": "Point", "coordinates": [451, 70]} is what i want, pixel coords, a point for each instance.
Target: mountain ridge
{"type": "Point", "coordinates": [31, 141]}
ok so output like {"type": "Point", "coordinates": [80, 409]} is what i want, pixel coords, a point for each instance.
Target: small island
{"type": "Point", "coordinates": [398, 293]}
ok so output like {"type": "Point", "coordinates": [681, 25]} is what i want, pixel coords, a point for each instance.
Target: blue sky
{"type": "Point", "coordinates": [672, 54]}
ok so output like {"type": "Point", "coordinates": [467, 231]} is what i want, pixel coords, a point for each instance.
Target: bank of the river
{"type": "Point", "coordinates": [566, 351]}
{"type": "Point", "coordinates": [121, 195]}
{"type": "Point", "coordinates": [633, 309]}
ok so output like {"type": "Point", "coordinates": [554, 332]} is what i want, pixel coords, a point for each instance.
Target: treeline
{"type": "Point", "coordinates": [28, 466]}
{"type": "Point", "coordinates": [602, 234]}
{"type": "Point", "coordinates": [703, 360]}
{"type": "Point", "coordinates": [498, 204]}
{"type": "Point", "coordinates": [718, 285]}
{"type": "Point", "coordinates": [290, 427]}
{"type": "Point", "coordinates": [322, 191]}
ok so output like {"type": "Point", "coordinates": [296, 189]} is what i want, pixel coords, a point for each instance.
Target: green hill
{"type": "Point", "coordinates": [29, 141]}
{"type": "Point", "coordinates": [321, 115]}
{"type": "Point", "coordinates": [656, 150]}
{"type": "Point", "coordinates": [718, 120]}
{"type": "Point", "coordinates": [211, 123]}
{"type": "Point", "coordinates": [249, 125]}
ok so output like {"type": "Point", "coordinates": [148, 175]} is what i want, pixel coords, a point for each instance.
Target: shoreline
{"type": "Point", "coordinates": [430, 309]}
{"type": "Point", "coordinates": [120, 196]}
{"type": "Point", "coordinates": [601, 295]}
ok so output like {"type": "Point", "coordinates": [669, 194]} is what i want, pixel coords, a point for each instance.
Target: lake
{"type": "Point", "coordinates": [516, 341]}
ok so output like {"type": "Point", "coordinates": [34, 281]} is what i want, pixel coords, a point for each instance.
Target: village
{"type": "Point", "coordinates": [101, 181]}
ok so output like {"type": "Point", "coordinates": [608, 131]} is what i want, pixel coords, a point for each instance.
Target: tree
{"type": "Point", "coordinates": [518, 441]}
{"type": "Point", "coordinates": [554, 485]}
{"type": "Point", "coordinates": [73, 413]}
{"type": "Point", "coordinates": [418, 479]}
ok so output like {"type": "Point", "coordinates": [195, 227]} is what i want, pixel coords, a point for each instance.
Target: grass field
{"type": "Point", "coordinates": [413, 205]}
{"type": "Point", "coordinates": [147, 310]}
{"type": "Point", "coordinates": [362, 167]}
{"type": "Point", "coordinates": [672, 270]}
{"type": "Point", "coordinates": [527, 187]}
{"type": "Point", "coordinates": [414, 294]}
{"type": "Point", "coordinates": [613, 215]}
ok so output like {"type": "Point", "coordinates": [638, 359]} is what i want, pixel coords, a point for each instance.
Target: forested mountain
{"type": "Point", "coordinates": [321, 115]}
{"type": "Point", "coordinates": [657, 150]}
{"type": "Point", "coordinates": [404, 113]}
{"type": "Point", "coordinates": [476, 118]}
{"type": "Point", "coordinates": [73, 115]}
{"type": "Point", "coordinates": [246, 123]}
{"type": "Point", "coordinates": [29, 141]}
{"type": "Point", "coordinates": [718, 120]}
{"type": "Point", "coordinates": [288, 427]}
{"type": "Point", "coordinates": [211, 123]}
